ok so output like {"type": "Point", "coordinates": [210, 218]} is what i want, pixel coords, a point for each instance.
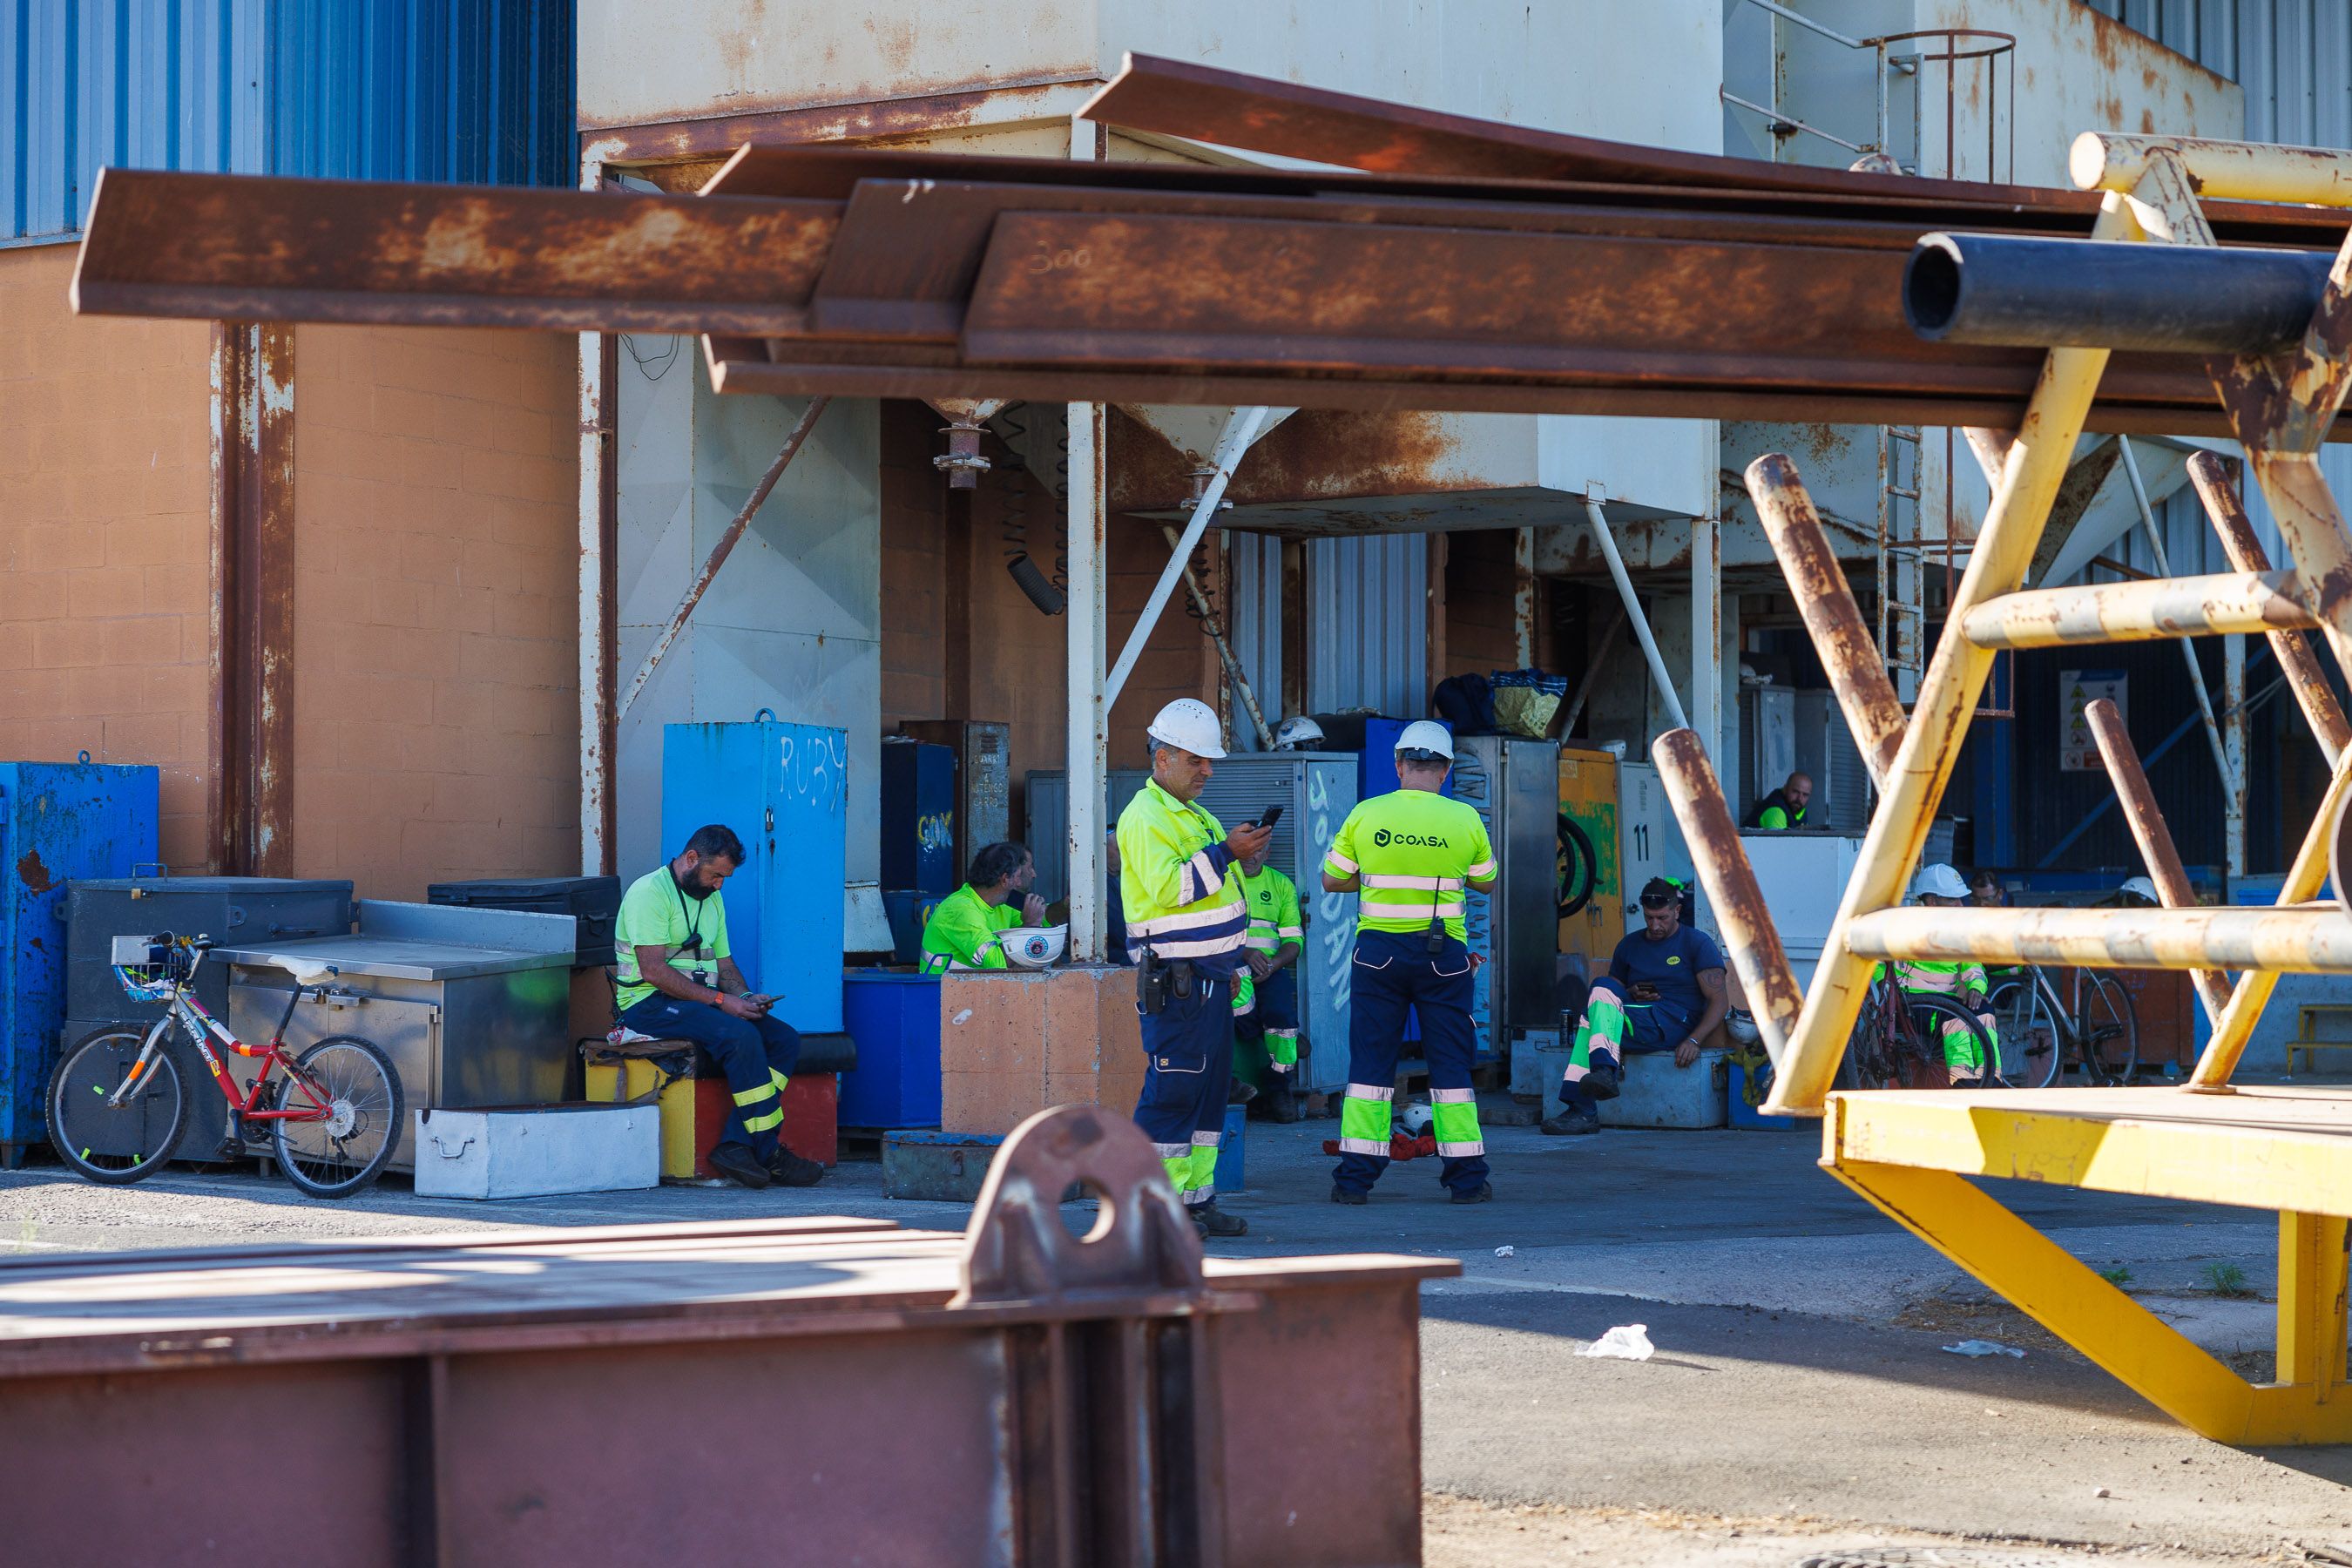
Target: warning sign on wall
{"type": "Point", "coordinates": [2077, 689]}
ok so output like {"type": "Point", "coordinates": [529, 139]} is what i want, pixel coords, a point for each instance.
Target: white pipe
{"type": "Point", "coordinates": [1243, 426]}
{"type": "Point", "coordinates": [1634, 611]}
{"type": "Point", "coordinates": [2188, 647]}
{"type": "Point", "coordinates": [1089, 707]}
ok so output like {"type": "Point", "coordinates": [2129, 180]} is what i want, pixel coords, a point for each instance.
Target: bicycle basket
{"type": "Point", "coordinates": [149, 967]}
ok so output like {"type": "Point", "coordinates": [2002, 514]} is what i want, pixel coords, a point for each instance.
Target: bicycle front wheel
{"type": "Point", "coordinates": [109, 1143]}
{"type": "Point", "coordinates": [2027, 1044]}
{"type": "Point", "coordinates": [353, 1096]}
{"type": "Point", "coordinates": [1872, 1055]}
{"type": "Point", "coordinates": [1937, 1025]}
{"type": "Point", "coordinates": [2109, 1029]}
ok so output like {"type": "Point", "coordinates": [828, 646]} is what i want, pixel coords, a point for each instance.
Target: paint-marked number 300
{"type": "Point", "coordinates": [1048, 259]}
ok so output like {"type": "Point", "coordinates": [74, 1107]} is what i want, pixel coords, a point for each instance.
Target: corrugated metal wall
{"type": "Point", "coordinates": [1368, 624]}
{"type": "Point", "coordinates": [471, 90]}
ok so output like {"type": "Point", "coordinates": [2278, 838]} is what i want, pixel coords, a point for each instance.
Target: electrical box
{"type": "Point", "coordinates": [918, 788]}
{"type": "Point", "coordinates": [1513, 786]}
{"type": "Point", "coordinates": [1588, 804]}
{"type": "Point", "coordinates": [983, 779]}
{"type": "Point", "coordinates": [785, 790]}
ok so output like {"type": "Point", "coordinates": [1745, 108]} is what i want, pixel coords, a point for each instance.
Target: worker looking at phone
{"type": "Point", "coordinates": [1664, 992]}
{"type": "Point", "coordinates": [677, 980]}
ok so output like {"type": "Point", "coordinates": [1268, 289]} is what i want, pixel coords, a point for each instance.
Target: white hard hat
{"type": "Point", "coordinates": [1191, 725]}
{"type": "Point", "coordinates": [1297, 732]}
{"type": "Point", "coordinates": [1427, 735]}
{"type": "Point", "coordinates": [1942, 881]}
{"type": "Point", "coordinates": [1414, 1120]}
{"type": "Point", "coordinates": [2141, 888]}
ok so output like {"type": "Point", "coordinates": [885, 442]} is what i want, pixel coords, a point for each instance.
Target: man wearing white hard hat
{"type": "Point", "coordinates": [1963, 980]}
{"type": "Point", "coordinates": [1410, 854]}
{"type": "Point", "coordinates": [1180, 890]}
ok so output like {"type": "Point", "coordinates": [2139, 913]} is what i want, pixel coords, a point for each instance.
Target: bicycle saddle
{"type": "Point", "coordinates": [307, 971]}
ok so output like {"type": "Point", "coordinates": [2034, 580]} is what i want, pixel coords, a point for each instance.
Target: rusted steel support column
{"type": "Point", "coordinates": [2187, 650]}
{"type": "Point", "coordinates": [2152, 835]}
{"type": "Point", "coordinates": [1841, 638]}
{"type": "Point", "coordinates": [252, 786]}
{"type": "Point", "coordinates": [2210, 475]}
{"type": "Point", "coordinates": [1089, 708]}
{"type": "Point", "coordinates": [725, 547]}
{"type": "Point", "coordinates": [598, 616]}
{"type": "Point", "coordinates": [1948, 693]}
{"type": "Point", "coordinates": [1750, 939]}
{"type": "Point", "coordinates": [2228, 602]}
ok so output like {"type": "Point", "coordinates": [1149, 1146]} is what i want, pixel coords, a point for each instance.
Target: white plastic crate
{"type": "Point", "coordinates": [535, 1151]}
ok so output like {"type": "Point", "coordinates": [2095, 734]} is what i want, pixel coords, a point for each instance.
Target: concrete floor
{"type": "Point", "coordinates": [1800, 1398]}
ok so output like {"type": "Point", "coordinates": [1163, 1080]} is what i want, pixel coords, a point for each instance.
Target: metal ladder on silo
{"type": "Point", "coordinates": [1902, 615]}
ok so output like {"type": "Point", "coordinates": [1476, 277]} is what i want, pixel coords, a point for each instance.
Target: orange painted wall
{"type": "Point", "coordinates": [105, 539]}
{"type": "Point", "coordinates": [435, 689]}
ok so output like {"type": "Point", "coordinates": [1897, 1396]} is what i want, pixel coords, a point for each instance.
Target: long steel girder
{"type": "Point", "coordinates": [1506, 270]}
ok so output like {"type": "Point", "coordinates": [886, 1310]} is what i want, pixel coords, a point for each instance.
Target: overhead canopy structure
{"type": "Point", "coordinates": [1459, 264]}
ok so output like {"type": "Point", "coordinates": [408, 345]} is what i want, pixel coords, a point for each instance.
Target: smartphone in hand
{"type": "Point", "coordinates": [1273, 816]}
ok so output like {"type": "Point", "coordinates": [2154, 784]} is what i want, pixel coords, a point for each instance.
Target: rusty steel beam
{"type": "Point", "coordinates": [2210, 475]}
{"type": "Point", "coordinates": [2308, 940]}
{"type": "Point", "coordinates": [2227, 603]}
{"type": "Point", "coordinates": [2152, 835]}
{"type": "Point", "coordinates": [793, 441]}
{"type": "Point", "coordinates": [920, 274]}
{"type": "Point", "coordinates": [1849, 654]}
{"type": "Point", "coordinates": [1752, 941]}
{"type": "Point", "coordinates": [347, 251]}
{"type": "Point", "coordinates": [1119, 1403]}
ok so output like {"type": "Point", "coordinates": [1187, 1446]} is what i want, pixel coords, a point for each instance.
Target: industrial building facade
{"type": "Point", "coordinates": [377, 600]}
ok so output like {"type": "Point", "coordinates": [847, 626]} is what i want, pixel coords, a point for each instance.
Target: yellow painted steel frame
{"type": "Point", "coordinates": [1915, 1156]}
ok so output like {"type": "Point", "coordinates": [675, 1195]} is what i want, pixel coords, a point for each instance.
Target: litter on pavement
{"type": "Point", "coordinates": [1627, 1341]}
{"type": "Point", "coordinates": [1506, 1252]}
{"type": "Point", "coordinates": [1983, 1347]}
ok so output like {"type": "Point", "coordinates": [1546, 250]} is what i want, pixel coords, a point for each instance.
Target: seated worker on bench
{"type": "Point", "coordinates": [1664, 992]}
{"type": "Point", "coordinates": [678, 982]}
{"type": "Point", "coordinates": [963, 930]}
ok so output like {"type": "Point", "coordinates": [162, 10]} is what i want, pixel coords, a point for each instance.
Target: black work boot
{"type": "Point", "coordinates": [791, 1171]}
{"type": "Point", "coordinates": [1348, 1196]}
{"type": "Point", "coordinates": [1483, 1193]}
{"type": "Point", "coordinates": [737, 1163]}
{"type": "Point", "coordinates": [1277, 1103]}
{"type": "Point", "coordinates": [1213, 1223]}
{"type": "Point", "coordinates": [1604, 1080]}
{"type": "Point", "coordinates": [1572, 1122]}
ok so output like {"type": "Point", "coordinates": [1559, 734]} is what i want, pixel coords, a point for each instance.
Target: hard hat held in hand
{"type": "Point", "coordinates": [1426, 736]}
{"type": "Point", "coordinates": [1191, 725]}
{"type": "Point", "coordinates": [1942, 881]}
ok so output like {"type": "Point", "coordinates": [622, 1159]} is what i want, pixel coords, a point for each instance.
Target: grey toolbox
{"type": "Point", "coordinates": [230, 909]}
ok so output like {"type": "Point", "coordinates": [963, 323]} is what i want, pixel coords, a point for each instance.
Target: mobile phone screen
{"type": "Point", "coordinates": [1272, 816]}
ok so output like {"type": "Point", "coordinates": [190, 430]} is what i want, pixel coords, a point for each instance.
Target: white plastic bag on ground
{"type": "Point", "coordinates": [1983, 1348]}
{"type": "Point", "coordinates": [1627, 1341]}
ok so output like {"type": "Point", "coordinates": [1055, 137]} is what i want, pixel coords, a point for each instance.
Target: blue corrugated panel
{"type": "Point", "coordinates": [476, 91]}
{"type": "Point", "coordinates": [58, 821]}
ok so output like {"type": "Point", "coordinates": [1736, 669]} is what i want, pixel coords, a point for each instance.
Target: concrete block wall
{"type": "Point", "coordinates": [105, 539]}
{"type": "Point", "coordinates": [435, 689]}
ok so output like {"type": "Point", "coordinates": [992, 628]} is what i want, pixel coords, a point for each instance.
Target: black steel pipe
{"type": "Point", "coordinates": [1998, 291]}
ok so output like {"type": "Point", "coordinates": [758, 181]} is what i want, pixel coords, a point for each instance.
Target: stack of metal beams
{"type": "Point", "coordinates": [1442, 263]}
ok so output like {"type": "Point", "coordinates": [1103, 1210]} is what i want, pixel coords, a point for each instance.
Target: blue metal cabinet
{"type": "Point", "coordinates": [783, 788]}
{"type": "Point", "coordinates": [919, 809]}
{"type": "Point", "coordinates": [58, 821]}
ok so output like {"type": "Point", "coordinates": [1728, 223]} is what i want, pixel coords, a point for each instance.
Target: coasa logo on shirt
{"type": "Point", "coordinates": [1266, 895]}
{"type": "Point", "coordinates": [1384, 838]}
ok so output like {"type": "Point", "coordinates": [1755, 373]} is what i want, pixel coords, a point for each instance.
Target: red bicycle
{"type": "Point", "coordinates": [116, 1105]}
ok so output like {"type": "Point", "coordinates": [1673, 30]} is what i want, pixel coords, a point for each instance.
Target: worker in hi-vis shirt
{"type": "Point", "coordinates": [1409, 857]}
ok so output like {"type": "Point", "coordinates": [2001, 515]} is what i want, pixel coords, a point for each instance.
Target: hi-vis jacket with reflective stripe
{"type": "Point", "coordinates": [963, 933]}
{"type": "Point", "coordinates": [1274, 917]}
{"type": "Point", "coordinates": [1413, 851]}
{"type": "Point", "coordinates": [1173, 882]}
